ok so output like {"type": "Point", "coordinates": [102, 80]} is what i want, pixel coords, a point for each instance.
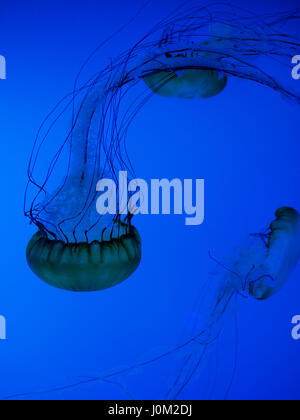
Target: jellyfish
{"type": "Point", "coordinates": [76, 249]}
{"type": "Point", "coordinates": [191, 54]}
{"type": "Point", "coordinates": [188, 84]}
{"type": "Point", "coordinates": [282, 252]}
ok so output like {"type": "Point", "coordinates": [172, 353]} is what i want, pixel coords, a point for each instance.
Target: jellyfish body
{"type": "Point", "coordinates": [187, 79]}
{"type": "Point", "coordinates": [265, 261]}
{"type": "Point", "coordinates": [76, 248]}
{"type": "Point", "coordinates": [198, 52]}
{"type": "Point", "coordinates": [281, 257]}
{"type": "Point", "coordinates": [84, 267]}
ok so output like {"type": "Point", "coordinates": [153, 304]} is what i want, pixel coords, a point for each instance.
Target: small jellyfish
{"type": "Point", "coordinates": [199, 53]}
{"type": "Point", "coordinates": [188, 80]}
{"type": "Point", "coordinates": [282, 252]}
{"type": "Point", "coordinates": [265, 262]}
{"type": "Point", "coordinates": [191, 54]}
{"type": "Point", "coordinates": [187, 84]}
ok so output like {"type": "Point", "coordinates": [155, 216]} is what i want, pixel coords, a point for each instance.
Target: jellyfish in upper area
{"type": "Point", "coordinates": [187, 84]}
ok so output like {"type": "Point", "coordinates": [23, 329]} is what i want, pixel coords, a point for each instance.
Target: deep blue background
{"type": "Point", "coordinates": [243, 142]}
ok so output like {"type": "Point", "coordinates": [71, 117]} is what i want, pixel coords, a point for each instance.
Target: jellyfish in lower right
{"type": "Point", "coordinates": [281, 257]}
